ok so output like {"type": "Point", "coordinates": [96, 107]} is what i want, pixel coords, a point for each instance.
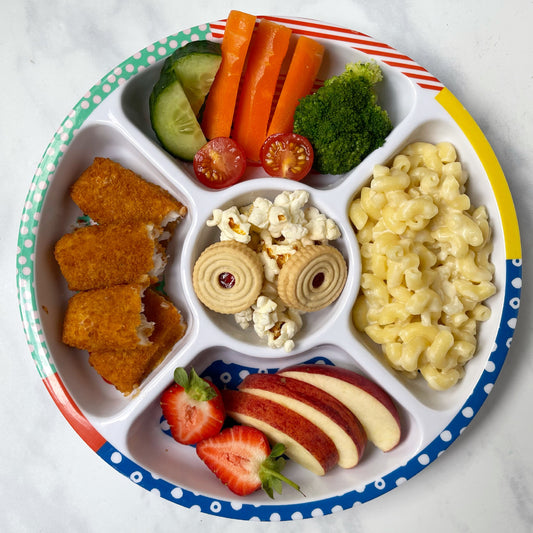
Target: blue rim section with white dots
{"type": "Point", "coordinates": [230, 373]}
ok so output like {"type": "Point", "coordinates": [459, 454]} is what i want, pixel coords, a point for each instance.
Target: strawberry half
{"type": "Point", "coordinates": [193, 408]}
{"type": "Point", "coordinates": [240, 456]}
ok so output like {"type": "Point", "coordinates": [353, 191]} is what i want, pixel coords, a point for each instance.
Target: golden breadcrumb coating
{"type": "Point", "coordinates": [126, 369]}
{"type": "Point", "coordinates": [94, 257]}
{"type": "Point", "coordinates": [104, 319]}
{"type": "Point", "coordinates": [107, 192]}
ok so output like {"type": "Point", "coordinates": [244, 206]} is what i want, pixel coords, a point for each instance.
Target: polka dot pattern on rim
{"type": "Point", "coordinates": [223, 373]}
{"type": "Point", "coordinates": [45, 173]}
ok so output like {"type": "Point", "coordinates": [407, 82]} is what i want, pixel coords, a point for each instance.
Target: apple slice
{"type": "Point", "coordinates": [304, 443]}
{"type": "Point", "coordinates": [319, 407]}
{"type": "Point", "coordinates": [372, 406]}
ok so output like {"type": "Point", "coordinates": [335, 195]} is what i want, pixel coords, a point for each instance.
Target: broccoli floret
{"type": "Point", "coordinates": [342, 119]}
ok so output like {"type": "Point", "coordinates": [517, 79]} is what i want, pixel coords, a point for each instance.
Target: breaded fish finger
{"type": "Point", "coordinates": [94, 257]}
{"type": "Point", "coordinates": [107, 192]}
{"type": "Point", "coordinates": [107, 319]}
{"type": "Point", "coordinates": [126, 369]}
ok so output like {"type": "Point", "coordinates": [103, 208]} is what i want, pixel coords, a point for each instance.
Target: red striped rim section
{"type": "Point", "coordinates": [72, 413]}
{"type": "Point", "coordinates": [356, 40]}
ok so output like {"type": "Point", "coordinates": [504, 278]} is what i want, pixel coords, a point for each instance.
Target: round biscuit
{"type": "Point", "coordinates": [223, 261]}
{"type": "Point", "coordinates": [312, 278]}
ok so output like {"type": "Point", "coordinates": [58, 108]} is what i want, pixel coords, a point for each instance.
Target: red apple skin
{"type": "Point", "coordinates": [286, 421]}
{"type": "Point", "coordinates": [357, 380]}
{"type": "Point", "coordinates": [319, 400]}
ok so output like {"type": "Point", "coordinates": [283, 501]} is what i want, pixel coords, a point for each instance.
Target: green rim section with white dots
{"type": "Point", "coordinates": [31, 317]}
{"type": "Point", "coordinates": [29, 225]}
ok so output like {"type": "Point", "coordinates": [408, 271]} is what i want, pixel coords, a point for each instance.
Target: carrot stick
{"type": "Point", "coordinates": [267, 51]}
{"type": "Point", "coordinates": [303, 69]}
{"type": "Point", "coordinates": [220, 103]}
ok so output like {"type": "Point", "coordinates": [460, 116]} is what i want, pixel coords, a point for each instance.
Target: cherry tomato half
{"type": "Point", "coordinates": [287, 155]}
{"type": "Point", "coordinates": [219, 163]}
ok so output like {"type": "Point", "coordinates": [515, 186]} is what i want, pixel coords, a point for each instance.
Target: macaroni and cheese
{"type": "Point", "coordinates": [425, 263]}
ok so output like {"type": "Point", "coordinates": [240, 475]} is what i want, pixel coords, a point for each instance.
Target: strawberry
{"type": "Point", "coordinates": [193, 408]}
{"type": "Point", "coordinates": [240, 456]}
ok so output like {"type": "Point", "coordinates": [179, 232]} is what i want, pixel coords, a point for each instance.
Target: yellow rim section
{"type": "Point", "coordinates": [489, 161]}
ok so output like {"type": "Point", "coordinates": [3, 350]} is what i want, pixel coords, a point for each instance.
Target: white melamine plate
{"type": "Point", "coordinates": [112, 120]}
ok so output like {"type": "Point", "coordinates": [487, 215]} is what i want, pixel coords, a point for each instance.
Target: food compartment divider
{"type": "Point", "coordinates": [148, 441]}
{"type": "Point", "coordinates": [206, 328]}
{"type": "Point", "coordinates": [118, 127]}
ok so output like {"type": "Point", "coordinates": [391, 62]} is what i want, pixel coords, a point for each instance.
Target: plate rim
{"type": "Point", "coordinates": [43, 359]}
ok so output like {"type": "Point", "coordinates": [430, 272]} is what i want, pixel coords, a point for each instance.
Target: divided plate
{"type": "Point", "coordinates": [112, 120]}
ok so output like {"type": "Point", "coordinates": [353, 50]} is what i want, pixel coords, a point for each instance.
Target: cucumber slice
{"type": "Point", "coordinates": [173, 119]}
{"type": "Point", "coordinates": [195, 65]}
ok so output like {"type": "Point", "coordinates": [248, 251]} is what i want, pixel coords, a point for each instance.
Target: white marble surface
{"type": "Point", "coordinates": [52, 52]}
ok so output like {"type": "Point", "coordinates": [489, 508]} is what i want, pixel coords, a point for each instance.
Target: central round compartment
{"type": "Point", "coordinates": [275, 217]}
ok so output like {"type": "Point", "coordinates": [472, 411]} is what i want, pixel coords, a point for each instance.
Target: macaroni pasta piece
{"type": "Point", "coordinates": [426, 269]}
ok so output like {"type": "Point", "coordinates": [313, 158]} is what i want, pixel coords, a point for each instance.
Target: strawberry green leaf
{"type": "Point", "coordinates": [270, 472]}
{"type": "Point", "coordinates": [181, 377]}
{"type": "Point", "coordinates": [196, 387]}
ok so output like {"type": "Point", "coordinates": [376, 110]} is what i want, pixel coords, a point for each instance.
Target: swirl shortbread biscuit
{"type": "Point", "coordinates": [228, 277]}
{"type": "Point", "coordinates": [312, 278]}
